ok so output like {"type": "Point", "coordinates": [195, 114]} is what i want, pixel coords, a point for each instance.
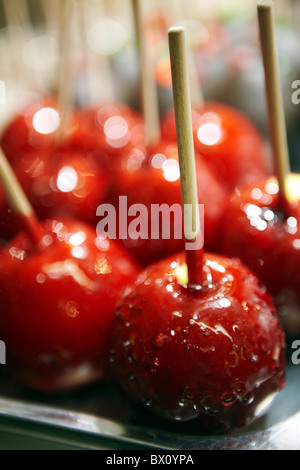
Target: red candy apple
{"type": "Point", "coordinates": [57, 301]}
{"type": "Point", "coordinates": [232, 146]}
{"type": "Point", "coordinates": [196, 337]}
{"type": "Point", "coordinates": [108, 132]}
{"type": "Point", "coordinates": [9, 224]}
{"type": "Point", "coordinates": [266, 236]}
{"type": "Point", "coordinates": [215, 355]}
{"type": "Point", "coordinates": [155, 180]}
{"type": "Point", "coordinates": [33, 128]}
{"type": "Point", "coordinates": [262, 222]}
{"type": "Point", "coordinates": [62, 182]}
{"type": "Point", "coordinates": [58, 182]}
{"type": "Point", "coordinates": [105, 131]}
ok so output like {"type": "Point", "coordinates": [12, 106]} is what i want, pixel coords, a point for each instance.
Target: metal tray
{"type": "Point", "coordinates": [108, 420]}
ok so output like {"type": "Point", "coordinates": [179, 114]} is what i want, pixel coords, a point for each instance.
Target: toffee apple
{"type": "Point", "coordinates": [57, 302]}
{"type": "Point", "coordinates": [108, 132]}
{"type": "Point", "coordinates": [214, 355]}
{"type": "Point", "coordinates": [230, 143]}
{"type": "Point", "coordinates": [33, 128]}
{"type": "Point", "coordinates": [150, 175]}
{"type": "Point", "coordinates": [266, 237]}
{"type": "Point", "coordinates": [153, 180]}
{"type": "Point", "coordinates": [62, 182]}
{"type": "Point", "coordinates": [196, 337]}
{"type": "Point", "coordinates": [261, 223]}
{"type": "Point", "coordinates": [59, 284]}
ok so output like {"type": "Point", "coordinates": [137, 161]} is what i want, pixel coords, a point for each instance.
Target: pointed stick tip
{"type": "Point", "coordinates": [176, 30]}
{"type": "Point", "coordinates": [264, 4]}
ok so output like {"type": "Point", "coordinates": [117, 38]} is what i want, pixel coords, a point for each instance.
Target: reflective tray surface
{"type": "Point", "coordinates": [104, 412]}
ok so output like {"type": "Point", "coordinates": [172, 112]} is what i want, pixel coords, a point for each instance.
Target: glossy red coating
{"type": "Point", "coordinates": [57, 302]}
{"type": "Point", "coordinates": [33, 128]}
{"type": "Point", "coordinates": [62, 182]}
{"type": "Point", "coordinates": [267, 238]}
{"type": "Point", "coordinates": [230, 143]}
{"type": "Point", "coordinates": [58, 182]}
{"type": "Point", "coordinates": [10, 223]}
{"type": "Point", "coordinates": [108, 131]}
{"type": "Point", "coordinates": [213, 355]}
{"type": "Point", "coordinates": [155, 180]}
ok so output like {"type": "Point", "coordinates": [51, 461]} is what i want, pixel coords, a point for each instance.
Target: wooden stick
{"type": "Point", "coordinates": [276, 116]}
{"type": "Point", "coordinates": [17, 198]}
{"type": "Point", "coordinates": [81, 26]}
{"type": "Point", "coordinates": [295, 14]}
{"type": "Point", "coordinates": [147, 78]}
{"type": "Point", "coordinates": [51, 11]}
{"type": "Point", "coordinates": [17, 14]}
{"type": "Point", "coordinates": [12, 19]}
{"type": "Point", "coordinates": [65, 91]}
{"type": "Point", "coordinates": [185, 141]}
{"type": "Point", "coordinates": [177, 14]}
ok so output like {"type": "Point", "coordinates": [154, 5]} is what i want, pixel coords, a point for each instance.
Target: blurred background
{"type": "Point", "coordinates": [100, 59]}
